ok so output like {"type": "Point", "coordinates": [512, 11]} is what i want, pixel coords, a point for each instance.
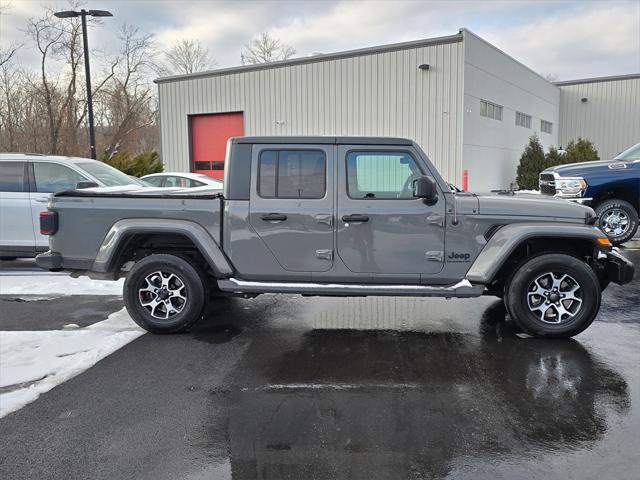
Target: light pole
{"type": "Point", "coordinates": [87, 71]}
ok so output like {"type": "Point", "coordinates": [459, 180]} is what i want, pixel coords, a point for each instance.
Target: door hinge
{"type": "Point", "coordinates": [434, 256]}
{"type": "Point", "coordinates": [324, 254]}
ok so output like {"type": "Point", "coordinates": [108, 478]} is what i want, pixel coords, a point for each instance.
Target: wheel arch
{"type": "Point", "coordinates": [617, 192]}
{"type": "Point", "coordinates": [129, 236]}
{"type": "Point", "coordinates": [513, 243]}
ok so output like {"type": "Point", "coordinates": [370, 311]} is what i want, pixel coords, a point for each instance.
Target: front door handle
{"type": "Point", "coordinates": [274, 217]}
{"type": "Point", "coordinates": [355, 218]}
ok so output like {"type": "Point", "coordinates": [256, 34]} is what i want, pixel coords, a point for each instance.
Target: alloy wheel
{"type": "Point", "coordinates": [554, 297]}
{"type": "Point", "coordinates": [163, 294]}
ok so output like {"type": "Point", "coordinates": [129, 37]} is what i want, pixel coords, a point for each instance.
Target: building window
{"type": "Point", "coordinates": [490, 110]}
{"type": "Point", "coordinates": [546, 127]}
{"type": "Point", "coordinates": [381, 175]}
{"type": "Point", "coordinates": [523, 120]}
{"type": "Point", "coordinates": [292, 174]}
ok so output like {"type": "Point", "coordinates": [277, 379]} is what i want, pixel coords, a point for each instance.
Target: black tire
{"type": "Point", "coordinates": [8, 259]}
{"type": "Point", "coordinates": [193, 289]}
{"type": "Point", "coordinates": [539, 324]}
{"type": "Point", "coordinates": [613, 205]}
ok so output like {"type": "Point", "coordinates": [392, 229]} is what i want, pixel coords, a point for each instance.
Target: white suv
{"type": "Point", "coordinates": [27, 180]}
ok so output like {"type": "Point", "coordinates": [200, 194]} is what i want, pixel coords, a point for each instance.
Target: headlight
{"type": "Point", "coordinates": [570, 186]}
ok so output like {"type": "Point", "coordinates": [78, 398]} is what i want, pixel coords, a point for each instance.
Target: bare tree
{"type": "Point", "coordinates": [264, 49]}
{"type": "Point", "coordinates": [128, 105]}
{"type": "Point", "coordinates": [56, 40]}
{"type": "Point", "coordinates": [7, 53]}
{"type": "Point", "coordinates": [188, 56]}
{"type": "Point", "coordinates": [44, 109]}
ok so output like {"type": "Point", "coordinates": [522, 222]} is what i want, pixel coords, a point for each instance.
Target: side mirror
{"type": "Point", "coordinates": [425, 187]}
{"type": "Point", "coordinates": [86, 184]}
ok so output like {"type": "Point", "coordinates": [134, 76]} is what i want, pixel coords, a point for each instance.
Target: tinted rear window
{"type": "Point", "coordinates": [292, 174]}
{"type": "Point", "coordinates": [12, 178]}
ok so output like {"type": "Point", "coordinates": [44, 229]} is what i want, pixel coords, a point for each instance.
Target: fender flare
{"type": "Point", "coordinates": [122, 229]}
{"type": "Point", "coordinates": [505, 241]}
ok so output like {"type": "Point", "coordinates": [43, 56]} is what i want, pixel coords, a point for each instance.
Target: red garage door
{"type": "Point", "coordinates": [209, 135]}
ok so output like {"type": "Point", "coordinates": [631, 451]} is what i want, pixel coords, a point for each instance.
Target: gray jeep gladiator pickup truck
{"type": "Point", "coordinates": [340, 216]}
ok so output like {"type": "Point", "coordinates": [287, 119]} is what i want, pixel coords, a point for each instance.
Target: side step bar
{"type": "Point", "coordinates": [460, 289]}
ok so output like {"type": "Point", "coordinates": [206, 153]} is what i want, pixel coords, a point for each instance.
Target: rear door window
{"type": "Point", "coordinates": [12, 177]}
{"type": "Point", "coordinates": [180, 182]}
{"type": "Point", "coordinates": [292, 174]}
{"type": "Point", "coordinates": [53, 177]}
{"type": "Point", "coordinates": [155, 181]}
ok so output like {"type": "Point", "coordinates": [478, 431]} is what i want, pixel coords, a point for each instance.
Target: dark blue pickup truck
{"type": "Point", "coordinates": [610, 187]}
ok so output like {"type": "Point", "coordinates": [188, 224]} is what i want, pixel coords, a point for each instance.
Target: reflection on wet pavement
{"type": "Point", "coordinates": [425, 388]}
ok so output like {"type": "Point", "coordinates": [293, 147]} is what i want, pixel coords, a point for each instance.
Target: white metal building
{"type": "Point", "coordinates": [469, 105]}
{"type": "Point", "coordinates": [605, 110]}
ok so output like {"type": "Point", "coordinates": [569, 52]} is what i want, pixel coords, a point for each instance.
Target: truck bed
{"type": "Point", "coordinates": [87, 217]}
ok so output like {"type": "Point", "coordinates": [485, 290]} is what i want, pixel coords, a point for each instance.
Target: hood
{"type": "Point", "coordinates": [531, 205]}
{"type": "Point", "coordinates": [587, 168]}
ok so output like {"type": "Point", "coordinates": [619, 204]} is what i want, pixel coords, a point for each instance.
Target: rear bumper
{"type": "Point", "coordinates": [618, 269]}
{"type": "Point", "coordinates": [49, 260]}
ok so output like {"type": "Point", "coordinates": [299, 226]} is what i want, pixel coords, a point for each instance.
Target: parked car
{"type": "Point", "coordinates": [350, 216]}
{"type": "Point", "coordinates": [182, 180]}
{"type": "Point", "coordinates": [610, 187]}
{"type": "Point", "coordinates": [27, 181]}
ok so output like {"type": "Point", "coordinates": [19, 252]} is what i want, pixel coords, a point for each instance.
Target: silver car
{"type": "Point", "coordinates": [27, 181]}
{"type": "Point", "coordinates": [181, 180]}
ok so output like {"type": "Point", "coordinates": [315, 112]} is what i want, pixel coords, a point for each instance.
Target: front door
{"type": "Point", "coordinates": [381, 227]}
{"type": "Point", "coordinates": [16, 224]}
{"type": "Point", "coordinates": [48, 178]}
{"type": "Point", "coordinates": [291, 206]}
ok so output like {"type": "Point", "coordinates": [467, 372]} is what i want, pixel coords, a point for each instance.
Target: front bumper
{"type": "Point", "coordinates": [581, 201]}
{"type": "Point", "coordinates": [49, 261]}
{"type": "Point", "coordinates": [618, 269]}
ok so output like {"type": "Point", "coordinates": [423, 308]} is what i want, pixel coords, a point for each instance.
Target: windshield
{"type": "Point", "coordinates": [108, 175]}
{"type": "Point", "coordinates": [631, 154]}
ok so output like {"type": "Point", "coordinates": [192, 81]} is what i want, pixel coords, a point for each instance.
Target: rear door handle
{"type": "Point", "coordinates": [355, 218]}
{"type": "Point", "coordinates": [274, 217]}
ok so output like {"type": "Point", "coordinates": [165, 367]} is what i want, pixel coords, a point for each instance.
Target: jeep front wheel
{"type": "Point", "coordinates": [553, 295]}
{"type": "Point", "coordinates": [164, 294]}
{"type": "Point", "coordinates": [618, 220]}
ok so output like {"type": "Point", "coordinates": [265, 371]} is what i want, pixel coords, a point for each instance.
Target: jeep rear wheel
{"type": "Point", "coordinates": [164, 294]}
{"type": "Point", "coordinates": [618, 220]}
{"type": "Point", "coordinates": [553, 295]}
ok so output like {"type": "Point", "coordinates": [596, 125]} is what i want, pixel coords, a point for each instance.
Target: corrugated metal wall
{"type": "Point", "coordinates": [373, 94]}
{"type": "Point", "coordinates": [610, 117]}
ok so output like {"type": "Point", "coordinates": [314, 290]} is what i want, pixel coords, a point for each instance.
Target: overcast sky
{"type": "Point", "coordinates": [568, 39]}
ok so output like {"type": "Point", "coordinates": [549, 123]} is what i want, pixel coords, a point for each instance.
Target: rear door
{"type": "Point", "coordinates": [381, 228]}
{"type": "Point", "coordinates": [16, 224]}
{"type": "Point", "coordinates": [291, 206]}
{"type": "Point", "coordinates": [48, 178]}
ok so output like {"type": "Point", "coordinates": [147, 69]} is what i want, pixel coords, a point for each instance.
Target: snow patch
{"type": "Point", "coordinates": [34, 362]}
{"type": "Point", "coordinates": [531, 192]}
{"type": "Point", "coordinates": [46, 283]}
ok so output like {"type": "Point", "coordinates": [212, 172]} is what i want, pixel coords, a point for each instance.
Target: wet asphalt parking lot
{"type": "Point", "coordinates": [305, 388]}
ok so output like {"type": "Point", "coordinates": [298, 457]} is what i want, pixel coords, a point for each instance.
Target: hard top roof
{"type": "Point", "coordinates": [329, 140]}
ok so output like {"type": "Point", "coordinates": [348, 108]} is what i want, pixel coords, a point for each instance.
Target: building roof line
{"type": "Point", "coordinates": [610, 78]}
{"type": "Point", "coordinates": [478, 37]}
{"type": "Point", "coordinates": [317, 58]}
